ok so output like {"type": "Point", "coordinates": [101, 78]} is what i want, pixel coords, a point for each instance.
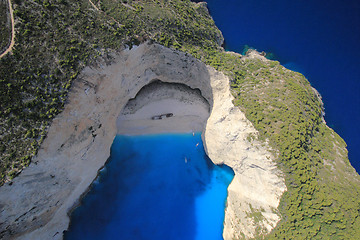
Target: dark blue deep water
{"type": "Point", "coordinates": [155, 187]}
{"type": "Point", "coordinates": [320, 39]}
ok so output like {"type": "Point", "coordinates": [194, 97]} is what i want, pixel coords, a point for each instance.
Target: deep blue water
{"type": "Point", "coordinates": [319, 38]}
{"type": "Point", "coordinates": [155, 187]}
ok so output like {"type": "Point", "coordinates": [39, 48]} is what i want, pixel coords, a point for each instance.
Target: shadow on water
{"type": "Point", "coordinates": [154, 187]}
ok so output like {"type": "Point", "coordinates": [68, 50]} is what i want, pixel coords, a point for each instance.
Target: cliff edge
{"type": "Point", "coordinates": [53, 78]}
{"type": "Point", "coordinates": [37, 204]}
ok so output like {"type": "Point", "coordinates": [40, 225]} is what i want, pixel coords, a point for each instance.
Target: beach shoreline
{"type": "Point", "coordinates": [104, 101]}
{"type": "Point", "coordinates": [164, 108]}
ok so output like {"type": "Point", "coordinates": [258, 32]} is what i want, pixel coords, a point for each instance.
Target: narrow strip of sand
{"type": "Point", "coordinates": [152, 118]}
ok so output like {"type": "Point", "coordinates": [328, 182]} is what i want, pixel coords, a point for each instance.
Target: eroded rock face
{"type": "Point", "coordinates": [254, 193]}
{"type": "Point", "coordinates": [37, 204]}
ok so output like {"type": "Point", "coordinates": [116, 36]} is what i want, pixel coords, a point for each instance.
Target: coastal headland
{"type": "Point", "coordinates": [82, 71]}
{"type": "Point", "coordinates": [109, 95]}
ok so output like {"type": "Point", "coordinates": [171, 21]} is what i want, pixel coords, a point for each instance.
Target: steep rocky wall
{"type": "Point", "coordinates": [37, 203]}
{"type": "Point", "coordinates": [254, 193]}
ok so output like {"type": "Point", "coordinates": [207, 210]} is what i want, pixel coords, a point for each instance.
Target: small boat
{"type": "Point", "coordinates": [159, 117]}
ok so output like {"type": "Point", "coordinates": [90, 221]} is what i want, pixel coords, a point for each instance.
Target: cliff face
{"type": "Point", "coordinates": [322, 187]}
{"type": "Point", "coordinates": [255, 191]}
{"type": "Point", "coordinates": [37, 204]}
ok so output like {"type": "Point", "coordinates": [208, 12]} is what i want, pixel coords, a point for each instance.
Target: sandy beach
{"type": "Point", "coordinates": [164, 108]}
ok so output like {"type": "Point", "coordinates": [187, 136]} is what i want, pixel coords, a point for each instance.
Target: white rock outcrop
{"type": "Point", "coordinates": [255, 192]}
{"type": "Point", "coordinates": [37, 203]}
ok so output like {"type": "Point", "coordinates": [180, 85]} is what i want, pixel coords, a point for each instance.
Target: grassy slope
{"type": "Point", "coordinates": [56, 38]}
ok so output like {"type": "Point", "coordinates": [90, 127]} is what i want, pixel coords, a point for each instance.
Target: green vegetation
{"type": "Point", "coordinates": [257, 218]}
{"type": "Point", "coordinates": [323, 188]}
{"type": "Point", "coordinates": [320, 202]}
{"type": "Point", "coordinates": [5, 25]}
{"type": "Point", "coordinates": [56, 38]}
{"type": "Point", "coordinates": [170, 23]}
{"type": "Point", "coordinates": [35, 79]}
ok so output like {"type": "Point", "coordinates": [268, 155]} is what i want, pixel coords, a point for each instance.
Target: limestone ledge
{"type": "Point", "coordinates": [36, 205]}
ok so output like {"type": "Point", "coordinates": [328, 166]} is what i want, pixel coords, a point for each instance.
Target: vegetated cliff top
{"type": "Point", "coordinates": [55, 39]}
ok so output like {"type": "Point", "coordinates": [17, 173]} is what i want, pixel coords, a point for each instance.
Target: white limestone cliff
{"type": "Point", "coordinates": [257, 185]}
{"type": "Point", "coordinates": [37, 203]}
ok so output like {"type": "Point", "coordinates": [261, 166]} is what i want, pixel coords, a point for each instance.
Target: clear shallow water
{"type": "Point", "coordinates": [155, 187]}
{"type": "Point", "coordinates": [317, 38]}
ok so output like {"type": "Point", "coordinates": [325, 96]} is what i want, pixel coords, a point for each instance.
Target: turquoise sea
{"type": "Point", "coordinates": [318, 38]}
{"type": "Point", "coordinates": [156, 187]}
